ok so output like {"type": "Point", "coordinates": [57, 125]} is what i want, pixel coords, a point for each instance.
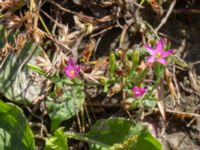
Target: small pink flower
{"type": "Point", "coordinates": [138, 91]}
{"type": "Point", "coordinates": [158, 54]}
{"type": "Point", "coordinates": [72, 70]}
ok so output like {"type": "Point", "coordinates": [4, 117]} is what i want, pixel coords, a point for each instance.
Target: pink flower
{"type": "Point", "coordinates": [138, 91]}
{"type": "Point", "coordinates": [72, 70]}
{"type": "Point", "coordinates": [158, 54]}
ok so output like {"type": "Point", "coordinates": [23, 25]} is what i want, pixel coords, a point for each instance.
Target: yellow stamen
{"type": "Point", "coordinates": [72, 72]}
{"type": "Point", "coordinates": [158, 55]}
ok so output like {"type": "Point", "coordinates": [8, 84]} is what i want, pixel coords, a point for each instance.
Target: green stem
{"type": "Point", "coordinates": [44, 25]}
{"type": "Point", "coordinates": [154, 86]}
{"type": "Point", "coordinates": [81, 137]}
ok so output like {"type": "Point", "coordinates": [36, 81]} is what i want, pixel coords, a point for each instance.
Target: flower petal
{"type": "Point", "coordinates": [71, 62]}
{"type": "Point", "coordinates": [149, 49]}
{"type": "Point", "coordinates": [167, 53]}
{"type": "Point", "coordinates": [72, 70]}
{"type": "Point", "coordinates": [68, 74]}
{"type": "Point", "coordinates": [151, 59]}
{"type": "Point", "coordinates": [138, 91]}
{"type": "Point", "coordinates": [78, 68]}
{"type": "Point", "coordinates": [160, 46]}
{"type": "Point", "coordinates": [135, 88]}
{"type": "Point", "coordinates": [162, 61]}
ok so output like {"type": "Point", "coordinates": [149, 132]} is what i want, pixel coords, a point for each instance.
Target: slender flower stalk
{"type": "Point", "coordinates": [158, 54]}
{"type": "Point", "coordinates": [138, 92]}
{"type": "Point", "coordinates": [72, 70]}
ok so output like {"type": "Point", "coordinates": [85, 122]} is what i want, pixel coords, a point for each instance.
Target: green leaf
{"type": "Point", "coordinates": [135, 57]}
{"type": "Point", "coordinates": [15, 133]}
{"type": "Point", "coordinates": [140, 77]}
{"type": "Point", "coordinates": [36, 69]}
{"type": "Point", "coordinates": [180, 62]}
{"type": "Point", "coordinates": [149, 103]}
{"type": "Point", "coordinates": [1, 36]}
{"type": "Point", "coordinates": [112, 64]}
{"type": "Point", "coordinates": [159, 70]}
{"type": "Point", "coordinates": [65, 106]}
{"type": "Point", "coordinates": [132, 103]}
{"type": "Point", "coordinates": [57, 142]}
{"type": "Point", "coordinates": [121, 134]}
{"type": "Point", "coordinates": [17, 83]}
{"type": "Point", "coordinates": [147, 141]}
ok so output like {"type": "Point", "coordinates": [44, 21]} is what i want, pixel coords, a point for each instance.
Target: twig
{"type": "Point", "coordinates": [40, 126]}
{"type": "Point", "coordinates": [169, 37]}
{"type": "Point", "coordinates": [89, 103]}
{"type": "Point", "coordinates": [104, 30]}
{"type": "Point", "coordinates": [3, 3]}
{"type": "Point", "coordinates": [97, 44]}
{"type": "Point", "coordinates": [160, 104]}
{"type": "Point", "coordinates": [124, 31]}
{"type": "Point", "coordinates": [48, 16]}
{"type": "Point", "coordinates": [62, 8]}
{"type": "Point", "coordinates": [185, 10]}
{"type": "Point", "coordinates": [181, 141]}
{"type": "Point", "coordinates": [182, 113]}
{"type": "Point", "coordinates": [195, 63]}
{"type": "Point", "coordinates": [176, 83]}
{"type": "Point", "coordinates": [129, 114]}
{"type": "Point", "coordinates": [191, 122]}
{"type": "Point", "coordinates": [136, 4]}
{"type": "Point", "coordinates": [33, 114]}
{"type": "Point", "coordinates": [78, 121]}
{"type": "Point", "coordinates": [164, 20]}
{"type": "Point", "coordinates": [85, 17]}
{"type": "Point", "coordinates": [4, 60]}
{"type": "Point", "coordinates": [87, 115]}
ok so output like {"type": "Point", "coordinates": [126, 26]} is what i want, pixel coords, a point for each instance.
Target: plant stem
{"type": "Point", "coordinates": [44, 25]}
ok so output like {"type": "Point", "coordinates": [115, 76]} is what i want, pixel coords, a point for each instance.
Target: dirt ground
{"type": "Point", "coordinates": [183, 132]}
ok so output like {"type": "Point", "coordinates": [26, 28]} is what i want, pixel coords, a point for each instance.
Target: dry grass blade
{"type": "Point", "coordinates": [89, 48]}
{"type": "Point", "coordinates": [46, 65]}
{"type": "Point", "coordinates": [66, 38]}
{"type": "Point", "coordinates": [160, 104]}
{"type": "Point", "coordinates": [7, 4]}
{"type": "Point", "coordinates": [12, 22]}
{"type": "Point", "coordinates": [168, 78]}
{"type": "Point", "coordinates": [60, 61]}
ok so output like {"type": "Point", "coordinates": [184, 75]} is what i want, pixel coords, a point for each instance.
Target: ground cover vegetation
{"type": "Point", "coordinates": [99, 74]}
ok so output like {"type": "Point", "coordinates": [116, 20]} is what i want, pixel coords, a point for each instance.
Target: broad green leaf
{"type": "Point", "coordinates": [147, 142]}
{"type": "Point", "coordinates": [17, 82]}
{"type": "Point", "coordinates": [16, 79]}
{"type": "Point", "coordinates": [57, 142]}
{"type": "Point", "coordinates": [15, 133]}
{"type": "Point", "coordinates": [63, 107]}
{"type": "Point", "coordinates": [122, 134]}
